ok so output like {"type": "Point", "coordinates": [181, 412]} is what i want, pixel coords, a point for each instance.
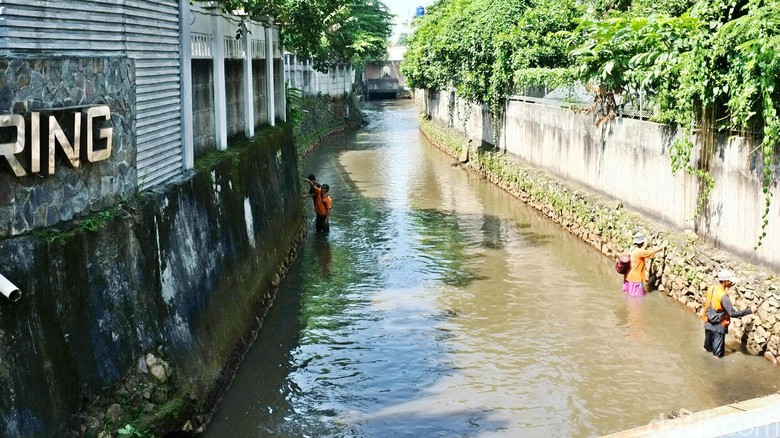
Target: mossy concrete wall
{"type": "Point", "coordinates": [187, 272]}
{"type": "Point", "coordinates": [684, 271]}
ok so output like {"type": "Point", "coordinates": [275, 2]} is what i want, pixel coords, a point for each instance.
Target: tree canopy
{"type": "Point", "coordinates": [326, 31]}
{"type": "Point", "coordinates": [481, 46]}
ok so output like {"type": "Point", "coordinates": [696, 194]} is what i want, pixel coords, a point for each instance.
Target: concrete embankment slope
{"type": "Point", "coordinates": [759, 417]}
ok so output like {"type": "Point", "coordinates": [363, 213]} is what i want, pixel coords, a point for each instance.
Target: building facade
{"type": "Point", "coordinates": [103, 100]}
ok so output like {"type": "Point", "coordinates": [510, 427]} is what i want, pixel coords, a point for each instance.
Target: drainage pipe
{"type": "Point", "coordinates": [9, 290]}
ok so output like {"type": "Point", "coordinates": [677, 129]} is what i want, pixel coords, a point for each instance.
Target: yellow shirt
{"type": "Point", "coordinates": [637, 273]}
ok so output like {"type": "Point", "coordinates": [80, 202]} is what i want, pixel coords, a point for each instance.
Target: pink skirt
{"type": "Point", "coordinates": [634, 289]}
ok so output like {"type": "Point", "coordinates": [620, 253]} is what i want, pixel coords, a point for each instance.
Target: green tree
{"type": "Point", "coordinates": [326, 31]}
{"type": "Point", "coordinates": [484, 48]}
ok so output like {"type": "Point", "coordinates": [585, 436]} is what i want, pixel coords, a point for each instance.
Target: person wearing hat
{"type": "Point", "coordinates": [716, 324]}
{"type": "Point", "coordinates": [634, 281]}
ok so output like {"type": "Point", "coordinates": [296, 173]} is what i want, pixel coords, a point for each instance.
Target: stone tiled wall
{"type": "Point", "coordinates": [37, 85]}
{"type": "Point", "coordinates": [203, 106]}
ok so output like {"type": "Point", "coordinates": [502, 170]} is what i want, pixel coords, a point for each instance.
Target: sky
{"type": "Point", "coordinates": [403, 10]}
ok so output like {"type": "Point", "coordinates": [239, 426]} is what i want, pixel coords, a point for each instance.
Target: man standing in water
{"type": "Point", "coordinates": [716, 324]}
{"type": "Point", "coordinates": [322, 205]}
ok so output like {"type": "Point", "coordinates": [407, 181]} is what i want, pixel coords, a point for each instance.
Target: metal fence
{"type": "Point", "coordinates": [629, 105]}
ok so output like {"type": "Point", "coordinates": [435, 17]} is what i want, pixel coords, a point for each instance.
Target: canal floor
{"type": "Point", "coordinates": [441, 306]}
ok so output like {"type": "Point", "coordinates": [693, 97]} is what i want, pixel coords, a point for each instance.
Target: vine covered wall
{"type": "Point", "coordinates": [629, 160]}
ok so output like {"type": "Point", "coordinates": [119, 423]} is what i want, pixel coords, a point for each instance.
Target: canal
{"type": "Point", "coordinates": [441, 306]}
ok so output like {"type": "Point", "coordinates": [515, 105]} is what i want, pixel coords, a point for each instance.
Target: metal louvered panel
{"type": "Point", "coordinates": [95, 28]}
{"type": "Point", "coordinates": [153, 41]}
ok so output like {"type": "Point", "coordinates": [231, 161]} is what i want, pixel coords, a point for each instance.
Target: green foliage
{"type": "Point", "coordinates": [549, 77]}
{"type": "Point", "coordinates": [129, 431]}
{"type": "Point", "coordinates": [295, 114]}
{"type": "Point", "coordinates": [92, 223]}
{"type": "Point", "coordinates": [267, 134]}
{"type": "Point", "coordinates": [328, 32]}
{"type": "Point", "coordinates": [710, 67]}
{"type": "Point", "coordinates": [715, 66]}
{"type": "Point", "coordinates": [481, 47]}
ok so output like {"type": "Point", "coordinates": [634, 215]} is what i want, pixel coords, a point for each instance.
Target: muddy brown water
{"type": "Point", "coordinates": [441, 306]}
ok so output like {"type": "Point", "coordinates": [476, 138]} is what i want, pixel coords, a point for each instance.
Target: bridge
{"type": "Point", "coordinates": [383, 79]}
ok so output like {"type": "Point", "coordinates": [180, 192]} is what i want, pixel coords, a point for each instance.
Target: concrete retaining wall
{"type": "Point", "coordinates": [629, 160]}
{"type": "Point", "coordinates": [686, 269]}
{"type": "Point", "coordinates": [185, 274]}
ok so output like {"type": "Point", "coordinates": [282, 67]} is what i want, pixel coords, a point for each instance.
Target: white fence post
{"type": "Point", "coordinates": [269, 75]}
{"type": "Point", "coordinates": [218, 59]}
{"type": "Point", "coordinates": [249, 92]}
{"type": "Point", "coordinates": [283, 115]}
{"type": "Point", "coordinates": [185, 86]}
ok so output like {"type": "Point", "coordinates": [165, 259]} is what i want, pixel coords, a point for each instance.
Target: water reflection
{"type": "Point", "coordinates": [322, 253]}
{"type": "Point", "coordinates": [440, 306]}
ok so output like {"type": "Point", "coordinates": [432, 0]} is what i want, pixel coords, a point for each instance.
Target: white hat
{"type": "Point", "coordinates": [639, 238]}
{"type": "Point", "coordinates": [726, 275]}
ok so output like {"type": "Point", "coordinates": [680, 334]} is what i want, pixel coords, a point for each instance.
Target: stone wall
{"type": "Point", "coordinates": [322, 116]}
{"type": "Point", "coordinates": [59, 87]}
{"type": "Point", "coordinates": [234, 97]}
{"type": "Point", "coordinates": [259, 88]}
{"type": "Point", "coordinates": [203, 107]}
{"type": "Point", "coordinates": [686, 269]}
{"type": "Point", "coordinates": [186, 275]}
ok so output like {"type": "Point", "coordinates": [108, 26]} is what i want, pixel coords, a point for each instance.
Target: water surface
{"type": "Point", "coordinates": [441, 306]}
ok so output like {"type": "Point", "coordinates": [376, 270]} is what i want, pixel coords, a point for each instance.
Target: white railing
{"type": "Point", "coordinates": [201, 45]}
{"type": "Point", "coordinates": [234, 48]}
{"type": "Point", "coordinates": [258, 49]}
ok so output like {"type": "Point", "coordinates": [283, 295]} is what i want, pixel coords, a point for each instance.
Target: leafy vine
{"type": "Point", "coordinates": [707, 66]}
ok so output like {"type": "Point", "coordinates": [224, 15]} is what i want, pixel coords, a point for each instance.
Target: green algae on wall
{"type": "Point", "coordinates": [185, 272]}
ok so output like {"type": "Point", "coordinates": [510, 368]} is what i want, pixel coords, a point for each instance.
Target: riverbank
{"type": "Point", "coordinates": [324, 116]}
{"type": "Point", "coordinates": [684, 272]}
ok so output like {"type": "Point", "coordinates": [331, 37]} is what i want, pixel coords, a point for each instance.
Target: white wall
{"type": "Point", "coordinates": [629, 160]}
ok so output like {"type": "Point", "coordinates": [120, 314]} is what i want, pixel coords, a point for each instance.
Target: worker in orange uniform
{"type": "Point", "coordinates": [322, 205]}
{"type": "Point", "coordinates": [635, 279]}
{"type": "Point", "coordinates": [717, 313]}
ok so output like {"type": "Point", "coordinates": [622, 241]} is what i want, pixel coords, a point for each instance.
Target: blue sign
{"type": "Point", "coordinates": [419, 12]}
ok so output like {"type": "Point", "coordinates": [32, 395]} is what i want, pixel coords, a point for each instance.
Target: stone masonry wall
{"type": "Point", "coordinates": [37, 85]}
{"type": "Point", "coordinates": [234, 96]}
{"type": "Point", "coordinates": [686, 270]}
{"type": "Point", "coordinates": [204, 128]}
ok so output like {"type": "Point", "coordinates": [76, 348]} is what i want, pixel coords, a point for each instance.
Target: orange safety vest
{"type": "Point", "coordinates": [714, 297]}
{"type": "Point", "coordinates": [321, 203]}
